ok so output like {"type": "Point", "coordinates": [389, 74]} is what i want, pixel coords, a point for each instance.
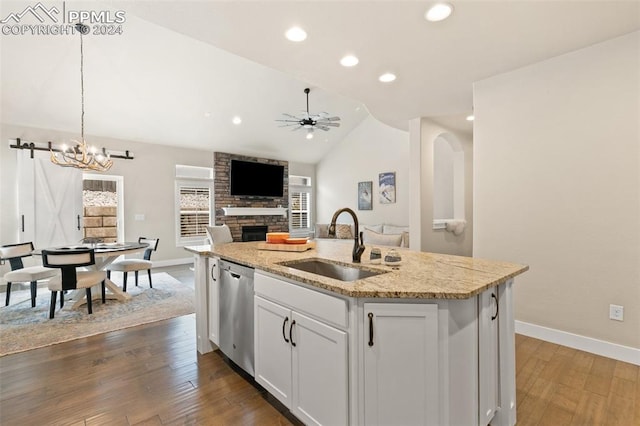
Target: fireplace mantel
{"type": "Point", "coordinates": [255, 211]}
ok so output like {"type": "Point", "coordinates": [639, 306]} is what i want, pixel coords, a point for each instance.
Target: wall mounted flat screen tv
{"type": "Point", "coordinates": [251, 179]}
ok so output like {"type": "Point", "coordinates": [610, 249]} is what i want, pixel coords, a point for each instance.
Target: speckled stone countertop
{"type": "Point", "coordinates": [419, 276]}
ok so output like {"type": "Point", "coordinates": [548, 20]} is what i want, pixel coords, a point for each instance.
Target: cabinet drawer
{"type": "Point", "coordinates": [330, 309]}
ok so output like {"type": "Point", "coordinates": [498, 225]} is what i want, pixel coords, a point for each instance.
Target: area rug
{"type": "Point", "coordinates": [23, 328]}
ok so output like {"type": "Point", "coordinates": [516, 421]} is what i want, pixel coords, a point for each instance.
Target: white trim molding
{"type": "Point", "coordinates": [583, 343]}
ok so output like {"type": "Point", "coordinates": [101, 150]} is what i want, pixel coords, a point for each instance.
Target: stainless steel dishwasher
{"type": "Point", "coordinates": [236, 314]}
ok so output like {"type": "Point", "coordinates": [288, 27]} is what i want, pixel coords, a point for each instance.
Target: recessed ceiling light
{"type": "Point", "coordinates": [387, 77]}
{"type": "Point", "coordinates": [438, 12]}
{"type": "Point", "coordinates": [236, 120]}
{"type": "Point", "coordinates": [296, 34]}
{"type": "Point", "coordinates": [207, 114]}
{"type": "Point", "coordinates": [349, 61]}
{"type": "Point", "coordinates": [310, 135]}
{"type": "Point", "coordinates": [470, 117]}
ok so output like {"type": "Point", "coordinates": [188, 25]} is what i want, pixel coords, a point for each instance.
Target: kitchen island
{"type": "Point", "coordinates": [430, 341]}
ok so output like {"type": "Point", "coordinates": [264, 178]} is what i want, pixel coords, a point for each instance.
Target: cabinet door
{"type": "Point", "coordinates": [488, 355]}
{"type": "Point", "coordinates": [214, 301]}
{"type": "Point", "coordinates": [320, 373]}
{"type": "Point", "coordinates": [506, 415]}
{"type": "Point", "coordinates": [272, 349]}
{"type": "Point", "coordinates": [400, 364]}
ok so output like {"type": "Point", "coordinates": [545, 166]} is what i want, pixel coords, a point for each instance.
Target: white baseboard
{"type": "Point", "coordinates": [173, 262]}
{"type": "Point", "coordinates": [583, 343]}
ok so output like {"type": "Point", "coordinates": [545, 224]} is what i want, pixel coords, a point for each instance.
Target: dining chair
{"type": "Point", "coordinates": [14, 253]}
{"type": "Point", "coordinates": [67, 260]}
{"type": "Point", "coordinates": [135, 265]}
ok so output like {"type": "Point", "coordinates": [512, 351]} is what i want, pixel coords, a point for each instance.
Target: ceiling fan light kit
{"type": "Point", "coordinates": [310, 121]}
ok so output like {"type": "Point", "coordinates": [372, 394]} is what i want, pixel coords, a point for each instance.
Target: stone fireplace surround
{"type": "Point", "coordinates": [221, 197]}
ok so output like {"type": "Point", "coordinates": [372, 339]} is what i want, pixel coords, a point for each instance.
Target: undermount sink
{"type": "Point", "coordinates": [333, 270]}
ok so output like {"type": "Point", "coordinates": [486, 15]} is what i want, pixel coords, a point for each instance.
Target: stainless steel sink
{"type": "Point", "coordinates": [333, 270]}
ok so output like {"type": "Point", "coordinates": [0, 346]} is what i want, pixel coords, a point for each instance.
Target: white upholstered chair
{"type": "Point", "coordinates": [219, 234]}
{"type": "Point", "coordinates": [71, 279]}
{"type": "Point", "coordinates": [135, 265]}
{"type": "Point", "coordinates": [14, 253]}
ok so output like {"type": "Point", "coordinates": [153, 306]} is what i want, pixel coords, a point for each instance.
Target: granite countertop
{"type": "Point", "coordinates": [420, 275]}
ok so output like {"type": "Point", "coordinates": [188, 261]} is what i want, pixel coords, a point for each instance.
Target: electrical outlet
{"type": "Point", "coordinates": [616, 312]}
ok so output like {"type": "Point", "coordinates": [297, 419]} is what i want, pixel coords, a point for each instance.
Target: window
{"type": "Point", "coordinates": [193, 205]}
{"type": "Point", "coordinates": [299, 205]}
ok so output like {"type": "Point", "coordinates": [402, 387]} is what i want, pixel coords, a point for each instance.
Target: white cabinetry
{"type": "Point", "coordinates": [205, 309]}
{"type": "Point", "coordinates": [214, 300]}
{"type": "Point", "coordinates": [506, 414]}
{"type": "Point", "coordinates": [400, 348]}
{"type": "Point", "coordinates": [301, 360]}
{"type": "Point", "coordinates": [488, 373]}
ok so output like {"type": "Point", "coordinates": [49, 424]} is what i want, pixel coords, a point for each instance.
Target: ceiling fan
{"type": "Point", "coordinates": [309, 121]}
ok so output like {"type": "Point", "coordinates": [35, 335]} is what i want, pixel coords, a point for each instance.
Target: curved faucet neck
{"type": "Point", "coordinates": [358, 247]}
{"type": "Point", "coordinates": [353, 215]}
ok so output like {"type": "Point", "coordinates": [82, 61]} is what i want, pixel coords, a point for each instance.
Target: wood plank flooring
{"type": "Point", "coordinates": [152, 375]}
{"type": "Point", "coordinates": [558, 386]}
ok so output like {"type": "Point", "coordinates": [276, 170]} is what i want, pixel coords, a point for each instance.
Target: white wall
{"type": "Point", "coordinates": [149, 182]}
{"type": "Point", "coordinates": [370, 149]}
{"type": "Point", "coordinates": [557, 187]}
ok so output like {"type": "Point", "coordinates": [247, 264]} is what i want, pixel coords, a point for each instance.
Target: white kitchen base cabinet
{"type": "Point", "coordinates": [214, 300]}
{"type": "Point", "coordinates": [401, 364]}
{"type": "Point", "coordinates": [273, 349]}
{"type": "Point", "coordinates": [300, 360]}
{"type": "Point", "coordinates": [488, 372]}
{"type": "Point", "coordinates": [320, 374]}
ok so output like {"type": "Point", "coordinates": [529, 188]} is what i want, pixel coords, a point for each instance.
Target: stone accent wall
{"type": "Point", "coordinates": [101, 222]}
{"type": "Point", "coordinates": [221, 167]}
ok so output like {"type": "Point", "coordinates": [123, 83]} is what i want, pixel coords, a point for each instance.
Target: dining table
{"type": "Point", "coordinates": [105, 254]}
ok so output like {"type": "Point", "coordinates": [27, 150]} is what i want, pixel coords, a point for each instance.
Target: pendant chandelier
{"type": "Point", "coordinates": [81, 155]}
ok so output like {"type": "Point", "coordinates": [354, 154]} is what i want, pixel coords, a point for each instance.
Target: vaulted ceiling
{"type": "Point", "coordinates": [181, 70]}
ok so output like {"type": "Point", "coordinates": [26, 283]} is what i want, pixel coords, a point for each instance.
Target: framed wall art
{"type": "Point", "coordinates": [365, 190]}
{"type": "Point", "coordinates": [387, 187]}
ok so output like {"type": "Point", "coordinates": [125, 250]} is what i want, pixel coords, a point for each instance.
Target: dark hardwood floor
{"type": "Point", "coordinates": [152, 375]}
{"type": "Point", "coordinates": [145, 375]}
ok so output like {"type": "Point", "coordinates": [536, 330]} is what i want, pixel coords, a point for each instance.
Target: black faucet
{"type": "Point", "coordinates": [358, 246]}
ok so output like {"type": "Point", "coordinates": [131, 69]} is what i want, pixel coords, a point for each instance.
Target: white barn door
{"type": "Point", "coordinates": [49, 201]}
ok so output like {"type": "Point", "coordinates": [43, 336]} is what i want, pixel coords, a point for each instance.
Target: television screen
{"type": "Point", "coordinates": [252, 179]}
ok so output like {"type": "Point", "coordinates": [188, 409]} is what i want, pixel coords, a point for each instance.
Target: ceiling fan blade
{"type": "Point", "coordinates": [297, 128]}
{"type": "Point", "coordinates": [289, 121]}
{"type": "Point", "coordinates": [291, 116]}
{"type": "Point", "coordinates": [325, 128]}
{"type": "Point", "coordinates": [327, 123]}
{"type": "Point", "coordinates": [289, 125]}
{"type": "Point", "coordinates": [331, 119]}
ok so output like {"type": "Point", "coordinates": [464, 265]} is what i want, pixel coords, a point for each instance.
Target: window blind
{"type": "Point", "coordinates": [195, 205]}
